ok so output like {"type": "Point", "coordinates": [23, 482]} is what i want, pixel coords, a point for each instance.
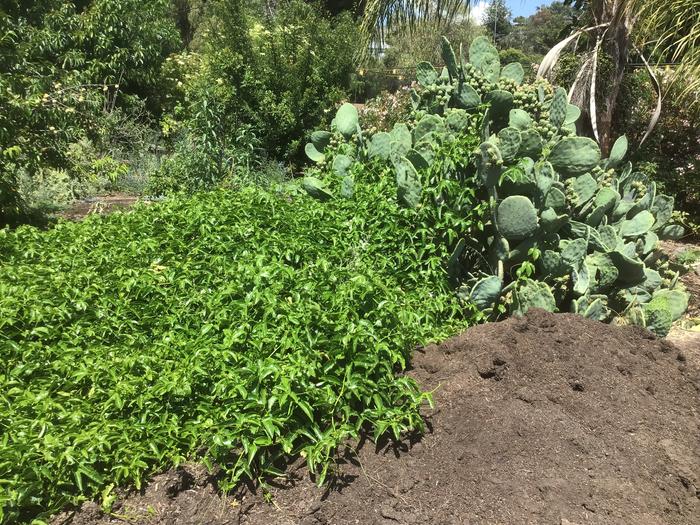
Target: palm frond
{"type": "Point", "coordinates": [383, 15]}
{"type": "Point", "coordinates": [673, 28]}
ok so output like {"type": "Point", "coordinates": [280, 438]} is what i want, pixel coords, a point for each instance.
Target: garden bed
{"type": "Point", "coordinates": [548, 419]}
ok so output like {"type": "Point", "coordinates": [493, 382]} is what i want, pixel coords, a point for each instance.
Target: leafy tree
{"type": "Point", "coordinates": [64, 64]}
{"type": "Point", "coordinates": [497, 20]}
{"type": "Point", "coordinates": [270, 75]}
{"type": "Point", "coordinates": [541, 31]}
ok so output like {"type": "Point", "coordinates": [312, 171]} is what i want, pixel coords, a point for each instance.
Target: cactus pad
{"type": "Point", "coordinates": [380, 147]}
{"type": "Point", "coordinates": [514, 72]}
{"type": "Point", "coordinates": [419, 161]}
{"type": "Point", "coordinates": [467, 97]}
{"type": "Point", "coordinates": [509, 143]}
{"type": "Point", "coordinates": [428, 124]}
{"type": "Point", "coordinates": [519, 119]}
{"type": "Point", "coordinates": [557, 109]}
{"type": "Point", "coordinates": [574, 155]}
{"type": "Point", "coordinates": [341, 164]}
{"type": "Point", "coordinates": [347, 120]}
{"type": "Point", "coordinates": [516, 218]}
{"type": "Point", "coordinates": [534, 294]}
{"type": "Point", "coordinates": [631, 270]}
{"type": "Point", "coordinates": [313, 153]}
{"type": "Point", "coordinates": [637, 225]}
{"type": "Point", "coordinates": [530, 143]}
{"type": "Point", "coordinates": [572, 115]}
{"type": "Point", "coordinates": [321, 139]}
{"type": "Point", "coordinates": [426, 74]}
{"type": "Point", "coordinates": [316, 189]}
{"type": "Point", "coordinates": [486, 292]}
{"type": "Point", "coordinates": [347, 187]}
{"type": "Point", "coordinates": [618, 152]}
{"type": "Point", "coordinates": [448, 56]}
{"type": "Point", "coordinates": [458, 120]}
{"type": "Point", "coordinates": [409, 188]}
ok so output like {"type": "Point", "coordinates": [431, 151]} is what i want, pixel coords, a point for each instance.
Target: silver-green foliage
{"type": "Point", "coordinates": [570, 231]}
{"type": "Point", "coordinates": [581, 232]}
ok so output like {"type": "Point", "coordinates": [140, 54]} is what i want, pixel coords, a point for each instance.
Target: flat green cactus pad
{"type": "Point", "coordinates": [321, 139]}
{"type": "Point", "coordinates": [467, 97]}
{"type": "Point", "coordinates": [514, 72]}
{"type": "Point", "coordinates": [516, 218]}
{"type": "Point", "coordinates": [313, 153]}
{"type": "Point", "coordinates": [530, 143]}
{"type": "Point", "coordinates": [618, 152]}
{"type": "Point", "coordinates": [574, 155]}
{"type": "Point", "coordinates": [534, 294]}
{"type": "Point", "coordinates": [316, 188]}
{"type": "Point", "coordinates": [485, 292]}
{"type": "Point", "coordinates": [341, 164]}
{"type": "Point", "coordinates": [409, 188]}
{"type": "Point", "coordinates": [426, 74]}
{"type": "Point", "coordinates": [380, 146]}
{"type": "Point", "coordinates": [347, 120]}
{"type": "Point", "coordinates": [519, 119]}
{"type": "Point", "coordinates": [637, 225]}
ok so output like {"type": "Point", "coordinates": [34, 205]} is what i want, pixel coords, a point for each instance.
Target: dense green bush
{"type": "Point", "coordinates": [250, 95]}
{"type": "Point", "coordinates": [275, 76]}
{"type": "Point", "coordinates": [235, 328]}
{"type": "Point", "coordinates": [570, 231]}
{"type": "Point", "coordinates": [65, 65]}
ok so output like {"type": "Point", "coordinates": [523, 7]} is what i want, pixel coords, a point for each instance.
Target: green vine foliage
{"type": "Point", "coordinates": [238, 329]}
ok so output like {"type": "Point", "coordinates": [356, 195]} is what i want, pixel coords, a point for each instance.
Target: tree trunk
{"type": "Point", "coordinates": [618, 49]}
{"type": "Point", "coordinates": [617, 45]}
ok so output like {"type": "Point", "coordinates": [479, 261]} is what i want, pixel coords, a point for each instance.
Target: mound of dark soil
{"type": "Point", "coordinates": [548, 419]}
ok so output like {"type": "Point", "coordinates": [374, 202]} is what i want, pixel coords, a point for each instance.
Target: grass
{"type": "Point", "coordinates": [234, 328]}
{"type": "Point", "coordinates": [688, 257]}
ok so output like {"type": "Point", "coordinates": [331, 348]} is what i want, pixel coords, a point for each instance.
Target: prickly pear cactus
{"type": "Point", "coordinates": [568, 230]}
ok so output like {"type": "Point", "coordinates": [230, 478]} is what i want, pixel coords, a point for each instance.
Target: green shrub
{"type": "Point", "coordinates": [69, 63]}
{"type": "Point", "coordinates": [569, 231]}
{"type": "Point", "coordinates": [236, 328]}
{"type": "Point", "coordinates": [275, 76]}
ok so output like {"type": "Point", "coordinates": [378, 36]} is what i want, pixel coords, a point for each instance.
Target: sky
{"type": "Point", "coordinates": [517, 7]}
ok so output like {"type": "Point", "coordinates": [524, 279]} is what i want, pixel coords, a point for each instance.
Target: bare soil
{"type": "Point", "coordinates": [691, 279]}
{"type": "Point", "coordinates": [101, 204]}
{"type": "Point", "coordinates": [546, 419]}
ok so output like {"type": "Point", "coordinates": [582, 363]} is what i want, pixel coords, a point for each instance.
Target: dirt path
{"type": "Point", "coordinates": [101, 204]}
{"type": "Point", "coordinates": [548, 419]}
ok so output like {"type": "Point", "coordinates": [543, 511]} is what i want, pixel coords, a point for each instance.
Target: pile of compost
{"type": "Point", "coordinates": [546, 419]}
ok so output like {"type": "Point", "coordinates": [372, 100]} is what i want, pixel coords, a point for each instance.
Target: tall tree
{"type": "Point", "coordinates": [621, 28]}
{"type": "Point", "coordinates": [539, 32]}
{"type": "Point", "coordinates": [497, 20]}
